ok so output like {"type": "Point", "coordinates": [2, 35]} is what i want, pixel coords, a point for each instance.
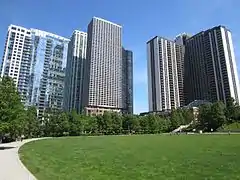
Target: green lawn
{"type": "Point", "coordinates": [150, 157]}
{"type": "Point", "coordinates": [230, 127]}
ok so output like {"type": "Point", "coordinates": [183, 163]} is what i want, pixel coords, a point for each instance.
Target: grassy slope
{"type": "Point", "coordinates": [152, 157]}
{"type": "Point", "coordinates": [230, 127]}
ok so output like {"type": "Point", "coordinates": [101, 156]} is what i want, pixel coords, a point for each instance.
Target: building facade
{"type": "Point", "coordinates": [73, 89]}
{"type": "Point", "coordinates": [103, 68]}
{"type": "Point", "coordinates": [165, 74]}
{"type": "Point", "coordinates": [16, 59]}
{"type": "Point", "coordinates": [182, 38]}
{"type": "Point", "coordinates": [47, 72]}
{"type": "Point", "coordinates": [127, 81]}
{"type": "Point", "coordinates": [210, 67]}
{"type": "Point", "coordinates": [36, 60]}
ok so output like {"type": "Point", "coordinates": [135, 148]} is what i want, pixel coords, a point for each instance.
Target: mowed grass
{"type": "Point", "coordinates": [150, 157]}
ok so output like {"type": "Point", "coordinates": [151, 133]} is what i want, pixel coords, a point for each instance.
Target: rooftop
{"type": "Point", "coordinates": [161, 38]}
{"type": "Point", "coordinates": [107, 21]}
{"type": "Point", "coordinates": [12, 25]}
{"type": "Point", "coordinates": [44, 34]}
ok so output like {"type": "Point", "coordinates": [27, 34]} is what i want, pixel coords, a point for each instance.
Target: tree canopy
{"type": "Point", "coordinates": [17, 120]}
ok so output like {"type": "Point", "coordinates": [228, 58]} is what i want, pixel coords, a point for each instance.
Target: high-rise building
{"type": "Point", "coordinates": [103, 68]}
{"type": "Point", "coordinates": [36, 60]}
{"type": "Point", "coordinates": [47, 72]}
{"type": "Point", "coordinates": [16, 60]}
{"type": "Point", "coordinates": [182, 38]}
{"type": "Point", "coordinates": [73, 89]}
{"type": "Point", "coordinates": [210, 67]}
{"type": "Point", "coordinates": [165, 74]}
{"type": "Point", "coordinates": [127, 81]}
{"type": "Point", "coordinates": [180, 54]}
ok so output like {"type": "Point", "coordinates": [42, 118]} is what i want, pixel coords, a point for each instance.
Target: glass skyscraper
{"type": "Point", "coordinates": [36, 60]}
{"type": "Point", "coordinates": [127, 81]}
{"type": "Point", "coordinates": [49, 55]}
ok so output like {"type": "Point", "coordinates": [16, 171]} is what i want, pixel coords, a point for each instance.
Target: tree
{"type": "Point", "coordinates": [176, 119]}
{"type": "Point", "coordinates": [91, 125]}
{"type": "Point", "coordinates": [11, 108]}
{"type": "Point", "coordinates": [117, 123]}
{"type": "Point", "coordinates": [153, 123]}
{"type": "Point", "coordinates": [238, 113]}
{"type": "Point", "coordinates": [32, 126]}
{"type": "Point", "coordinates": [131, 123]}
{"type": "Point", "coordinates": [74, 124]}
{"type": "Point", "coordinates": [134, 123]}
{"type": "Point", "coordinates": [82, 121]}
{"type": "Point", "coordinates": [4, 128]}
{"type": "Point", "coordinates": [187, 115]}
{"type": "Point", "coordinates": [63, 124]}
{"type": "Point", "coordinates": [163, 125]}
{"type": "Point", "coordinates": [144, 124]}
{"type": "Point", "coordinates": [108, 122]}
{"type": "Point", "coordinates": [56, 123]}
{"type": "Point", "coordinates": [204, 116]}
{"type": "Point", "coordinates": [217, 114]}
{"type": "Point", "coordinates": [48, 123]}
{"type": "Point", "coordinates": [212, 116]}
{"type": "Point", "coordinates": [127, 123]}
{"type": "Point", "coordinates": [100, 123]}
{"type": "Point", "coordinates": [232, 111]}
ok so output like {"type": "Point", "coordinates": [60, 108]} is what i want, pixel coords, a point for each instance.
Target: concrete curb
{"type": "Point", "coordinates": [30, 175]}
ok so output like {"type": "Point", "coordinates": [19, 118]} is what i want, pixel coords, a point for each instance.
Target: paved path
{"type": "Point", "coordinates": [11, 168]}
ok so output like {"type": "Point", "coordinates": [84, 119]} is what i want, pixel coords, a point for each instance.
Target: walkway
{"type": "Point", "coordinates": [11, 167]}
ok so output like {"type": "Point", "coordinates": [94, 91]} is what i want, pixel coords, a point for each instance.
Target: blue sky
{"type": "Point", "coordinates": [141, 20]}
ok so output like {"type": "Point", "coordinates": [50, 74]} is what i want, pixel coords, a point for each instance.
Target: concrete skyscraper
{"type": "Point", "coordinates": [182, 38]}
{"type": "Point", "coordinates": [73, 89]}
{"type": "Point", "coordinates": [103, 68]}
{"type": "Point", "coordinates": [17, 58]}
{"type": "Point", "coordinates": [165, 74]}
{"type": "Point", "coordinates": [210, 67]}
{"type": "Point", "coordinates": [36, 60]}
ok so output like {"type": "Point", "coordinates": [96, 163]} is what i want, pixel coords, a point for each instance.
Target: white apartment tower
{"type": "Point", "coordinates": [165, 75]}
{"type": "Point", "coordinates": [16, 60]}
{"type": "Point", "coordinates": [73, 89]}
{"type": "Point", "coordinates": [103, 76]}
